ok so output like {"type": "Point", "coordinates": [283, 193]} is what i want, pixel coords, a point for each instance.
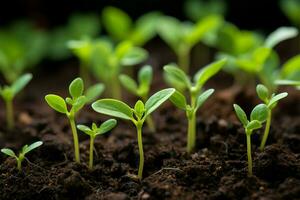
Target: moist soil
{"type": "Point", "coordinates": [216, 170]}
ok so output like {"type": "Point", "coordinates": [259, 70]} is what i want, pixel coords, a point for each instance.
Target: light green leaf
{"type": "Point", "coordinates": [8, 152]}
{"type": "Point", "coordinates": [262, 92]}
{"type": "Point", "coordinates": [76, 88]}
{"type": "Point", "coordinates": [128, 83]}
{"type": "Point", "coordinates": [178, 100]}
{"type": "Point", "coordinates": [134, 56]}
{"type": "Point", "coordinates": [255, 124]}
{"type": "Point", "coordinates": [203, 97]}
{"type": "Point", "coordinates": [260, 113]}
{"type": "Point", "coordinates": [291, 69]}
{"type": "Point", "coordinates": [177, 74]}
{"type": "Point", "coordinates": [19, 84]}
{"type": "Point", "coordinates": [276, 98]}
{"type": "Point", "coordinates": [113, 108]}
{"type": "Point", "coordinates": [32, 146]}
{"type": "Point", "coordinates": [94, 91]}
{"type": "Point", "coordinates": [279, 35]}
{"type": "Point", "coordinates": [79, 103]}
{"type": "Point", "coordinates": [57, 103]}
{"type": "Point", "coordinates": [107, 126]}
{"type": "Point", "coordinates": [157, 99]}
{"type": "Point", "coordinates": [241, 114]}
{"type": "Point", "coordinates": [85, 129]}
{"type": "Point", "coordinates": [145, 76]}
{"type": "Point", "coordinates": [139, 108]}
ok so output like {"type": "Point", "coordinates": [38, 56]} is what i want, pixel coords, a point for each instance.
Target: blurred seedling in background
{"type": "Point", "coordinates": [109, 61]}
{"type": "Point", "coordinates": [271, 101]}
{"type": "Point", "coordinates": [140, 89]}
{"type": "Point", "coordinates": [120, 26]}
{"type": "Point", "coordinates": [181, 37]}
{"type": "Point", "coordinates": [8, 94]}
{"type": "Point", "coordinates": [137, 115]}
{"type": "Point", "coordinates": [76, 102]}
{"type": "Point", "coordinates": [178, 79]}
{"type": "Point", "coordinates": [257, 117]}
{"type": "Point", "coordinates": [95, 131]}
{"type": "Point", "coordinates": [296, 84]}
{"type": "Point", "coordinates": [26, 149]}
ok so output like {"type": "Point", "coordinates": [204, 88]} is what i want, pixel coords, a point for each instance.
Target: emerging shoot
{"type": "Point", "coordinates": [271, 101]}
{"type": "Point", "coordinates": [76, 102]}
{"type": "Point", "coordinates": [26, 149]}
{"type": "Point", "coordinates": [257, 117]}
{"type": "Point", "coordinates": [95, 131]}
{"type": "Point", "coordinates": [9, 92]}
{"type": "Point", "coordinates": [137, 115]}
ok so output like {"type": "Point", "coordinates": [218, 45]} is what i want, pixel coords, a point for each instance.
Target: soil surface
{"type": "Point", "coordinates": [216, 170]}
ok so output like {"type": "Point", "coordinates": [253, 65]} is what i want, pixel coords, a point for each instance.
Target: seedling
{"type": "Point", "coordinates": [8, 93]}
{"type": "Point", "coordinates": [257, 117]}
{"type": "Point", "coordinates": [76, 102]}
{"type": "Point", "coordinates": [95, 131]}
{"type": "Point", "coordinates": [120, 26]}
{"type": "Point", "coordinates": [182, 36]}
{"type": "Point", "coordinates": [271, 101]}
{"type": "Point", "coordinates": [137, 115]}
{"type": "Point", "coordinates": [181, 81]}
{"type": "Point", "coordinates": [108, 62]}
{"type": "Point", "coordinates": [26, 149]}
{"type": "Point", "coordinates": [140, 89]}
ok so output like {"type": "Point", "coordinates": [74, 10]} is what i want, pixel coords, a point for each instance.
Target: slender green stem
{"type": "Point", "coordinates": [184, 59]}
{"type": "Point", "coordinates": [248, 133]}
{"type": "Point", "coordinates": [9, 114]}
{"type": "Point", "coordinates": [91, 161]}
{"type": "Point", "coordinates": [267, 130]}
{"type": "Point", "coordinates": [19, 164]}
{"type": "Point", "coordinates": [139, 126]}
{"type": "Point", "coordinates": [191, 115]}
{"type": "Point", "coordinates": [84, 74]}
{"type": "Point", "coordinates": [75, 139]}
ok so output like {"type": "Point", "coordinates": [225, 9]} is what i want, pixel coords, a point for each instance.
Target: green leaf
{"type": "Point", "coordinates": [260, 113]}
{"type": "Point", "coordinates": [178, 100]}
{"type": "Point", "coordinates": [85, 129]}
{"type": "Point", "coordinates": [255, 124]}
{"type": "Point", "coordinates": [116, 22]}
{"type": "Point", "coordinates": [93, 92]}
{"type": "Point", "coordinates": [145, 76]}
{"type": "Point", "coordinates": [79, 103]}
{"type": "Point", "coordinates": [8, 152]}
{"type": "Point", "coordinates": [76, 88]}
{"type": "Point", "coordinates": [241, 114]}
{"type": "Point", "coordinates": [139, 108]}
{"type": "Point", "coordinates": [262, 92]}
{"type": "Point", "coordinates": [203, 97]}
{"type": "Point", "coordinates": [291, 69]}
{"type": "Point", "coordinates": [157, 99]}
{"type": "Point", "coordinates": [177, 74]}
{"type": "Point", "coordinates": [128, 83]}
{"type": "Point", "coordinates": [113, 108]}
{"type": "Point", "coordinates": [288, 82]}
{"type": "Point", "coordinates": [32, 146]}
{"type": "Point", "coordinates": [208, 71]}
{"type": "Point", "coordinates": [276, 98]}
{"type": "Point", "coordinates": [19, 84]}
{"type": "Point", "coordinates": [107, 126]}
{"type": "Point", "coordinates": [57, 103]}
{"type": "Point", "coordinates": [279, 35]}
{"type": "Point", "coordinates": [134, 56]}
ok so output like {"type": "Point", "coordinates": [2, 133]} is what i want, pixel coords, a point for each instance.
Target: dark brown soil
{"type": "Point", "coordinates": [217, 169]}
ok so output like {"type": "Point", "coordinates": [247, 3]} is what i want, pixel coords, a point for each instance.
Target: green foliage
{"type": "Point", "coordinates": [178, 79]}
{"type": "Point", "coordinates": [289, 82]}
{"type": "Point", "coordinates": [138, 114]}
{"type": "Point", "coordinates": [120, 26]}
{"type": "Point", "coordinates": [95, 131]}
{"type": "Point", "coordinates": [26, 149]}
{"type": "Point", "coordinates": [291, 9]}
{"type": "Point", "coordinates": [8, 93]}
{"type": "Point", "coordinates": [76, 102]}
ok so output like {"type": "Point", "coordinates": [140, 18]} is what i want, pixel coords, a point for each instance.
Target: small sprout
{"type": "Point", "coordinates": [257, 117]}
{"type": "Point", "coordinates": [181, 81]}
{"type": "Point", "coordinates": [77, 101]}
{"type": "Point", "coordinates": [93, 132]}
{"type": "Point", "coordinates": [140, 89]}
{"type": "Point", "coordinates": [9, 92]}
{"type": "Point", "coordinates": [26, 149]}
{"type": "Point", "coordinates": [271, 101]}
{"type": "Point", "coordinates": [137, 115]}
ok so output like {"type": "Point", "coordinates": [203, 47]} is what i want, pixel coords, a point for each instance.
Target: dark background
{"type": "Point", "coordinates": [247, 14]}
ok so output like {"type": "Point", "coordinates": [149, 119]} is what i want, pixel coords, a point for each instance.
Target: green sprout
{"type": "Point", "coordinates": [137, 115]}
{"type": "Point", "coordinates": [120, 26]}
{"type": "Point", "coordinates": [183, 36]}
{"type": "Point", "coordinates": [8, 93]}
{"type": "Point", "coordinates": [95, 131]}
{"type": "Point", "coordinates": [109, 62]}
{"type": "Point", "coordinates": [26, 149]}
{"type": "Point", "coordinates": [76, 102]}
{"type": "Point", "coordinates": [142, 89]}
{"type": "Point", "coordinates": [271, 101]}
{"type": "Point", "coordinates": [257, 117]}
{"type": "Point", "coordinates": [197, 97]}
